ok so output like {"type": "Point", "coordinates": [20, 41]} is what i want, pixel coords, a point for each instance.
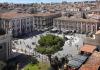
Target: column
{"type": "Point", "coordinates": [77, 27]}
{"type": "Point", "coordinates": [86, 28]}
{"type": "Point", "coordinates": [16, 33]}
{"type": "Point", "coordinates": [81, 27]}
{"type": "Point", "coordinates": [33, 23]}
{"type": "Point", "coordinates": [91, 28]}
{"type": "Point", "coordinates": [29, 25]}
{"type": "Point", "coordinates": [96, 26]}
{"type": "Point", "coordinates": [20, 25]}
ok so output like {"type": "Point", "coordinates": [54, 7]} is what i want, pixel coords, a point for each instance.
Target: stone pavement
{"type": "Point", "coordinates": [70, 48]}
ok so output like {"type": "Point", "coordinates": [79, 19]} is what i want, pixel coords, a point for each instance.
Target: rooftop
{"type": "Point", "coordinates": [88, 48]}
{"type": "Point", "coordinates": [10, 15]}
{"type": "Point", "coordinates": [45, 14]}
{"type": "Point", "coordinates": [74, 64]}
{"type": "Point", "coordinates": [93, 63]}
{"type": "Point", "coordinates": [80, 58]}
{"type": "Point", "coordinates": [77, 61]}
{"type": "Point", "coordinates": [77, 19]}
{"type": "Point", "coordinates": [94, 16]}
{"type": "Point", "coordinates": [89, 68]}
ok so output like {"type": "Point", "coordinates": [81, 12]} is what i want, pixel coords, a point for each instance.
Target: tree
{"type": "Point", "coordinates": [49, 45]}
{"type": "Point", "coordinates": [55, 63]}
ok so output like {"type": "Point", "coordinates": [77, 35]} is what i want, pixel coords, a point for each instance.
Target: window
{"type": "Point", "coordinates": [27, 28]}
{"type": "Point", "coordinates": [93, 28]}
{"type": "Point", "coordinates": [28, 20]}
{"type": "Point", "coordinates": [0, 47]}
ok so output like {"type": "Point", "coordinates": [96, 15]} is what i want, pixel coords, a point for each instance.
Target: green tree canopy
{"type": "Point", "coordinates": [49, 44]}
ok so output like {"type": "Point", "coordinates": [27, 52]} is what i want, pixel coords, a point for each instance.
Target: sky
{"type": "Point", "coordinates": [38, 1]}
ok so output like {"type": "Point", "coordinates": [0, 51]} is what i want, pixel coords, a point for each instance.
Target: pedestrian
{"type": "Point", "coordinates": [83, 43]}
{"type": "Point", "coordinates": [71, 56]}
{"type": "Point", "coordinates": [77, 46]}
{"type": "Point", "coordinates": [20, 42]}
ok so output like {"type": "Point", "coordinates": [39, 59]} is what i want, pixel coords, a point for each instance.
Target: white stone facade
{"type": "Point", "coordinates": [77, 25]}
{"type": "Point", "coordinates": [21, 23]}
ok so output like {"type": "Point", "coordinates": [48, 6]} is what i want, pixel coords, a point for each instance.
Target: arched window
{"type": "Point", "coordinates": [93, 28]}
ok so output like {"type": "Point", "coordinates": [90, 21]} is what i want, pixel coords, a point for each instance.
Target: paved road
{"type": "Point", "coordinates": [71, 47]}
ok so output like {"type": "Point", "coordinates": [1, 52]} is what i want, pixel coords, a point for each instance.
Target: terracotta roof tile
{"type": "Point", "coordinates": [88, 48]}
{"type": "Point", "coordinates": [93, 63]}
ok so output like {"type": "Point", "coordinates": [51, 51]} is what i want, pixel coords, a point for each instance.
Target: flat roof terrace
{"type": "Point", "coordinates": [93, 63]}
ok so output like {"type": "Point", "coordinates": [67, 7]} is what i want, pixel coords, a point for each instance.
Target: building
{"type": "Point", "coordinates": [5, 46]}
{"type": "Point", "coordinates": [96, 9]}
{"type": "Point", "coordinates": [19, 23]}
{"type": "Point", "coordinates": [93, 63]}
{"type": "Point", "coordinates": [79, 25]}
{"type": "Point", "coordinates": [23, 23]}
{"type": "Point", "coordinates": [94, 40]}
{"type": "Point", "coordinates": [98, 3]}
{"type": "Point", "coordinates": [43, 21]}
{"type": "Point", "coordinates": [76, 62]}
